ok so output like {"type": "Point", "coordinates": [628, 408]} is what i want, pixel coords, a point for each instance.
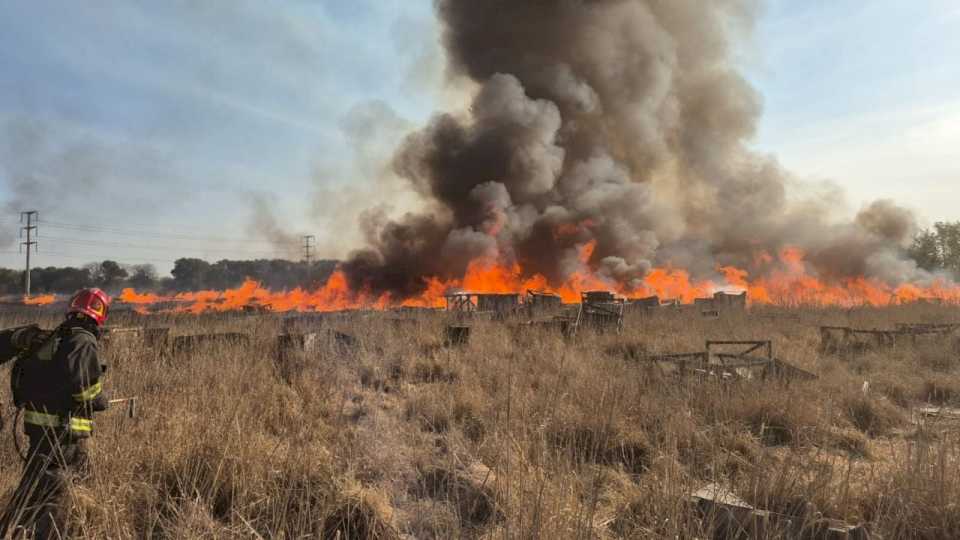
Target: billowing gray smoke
{"type": "Point", "coordinates": [618, 121]}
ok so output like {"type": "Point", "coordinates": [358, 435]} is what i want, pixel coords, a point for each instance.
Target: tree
{"type": "Point", "coordinates": [107, 274]}
{"type": "Point", "coordinates": [938, 249]}
{"type": "Point", "coordinates": [142, 276]}
{"type": "Point", "coordinates": [948, 235]}
{"type": "Point", "coordinates": [190, 274]}
{"type": "Point", "coordinates": [11, 281]}
{"type": "Point", "coordinates": [52, 279]}
{"type": "Point", "coordinates": [926, 251]}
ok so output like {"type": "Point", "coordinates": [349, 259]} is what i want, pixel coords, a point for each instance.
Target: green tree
{"type": "Point", "coordinates": [948, 235]}
{"type": "Point", "coordinates": [926, 251]}
{"type": "Point", "coordinates": [939, 248]}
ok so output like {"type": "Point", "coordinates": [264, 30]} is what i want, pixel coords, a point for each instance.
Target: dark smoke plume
{"type": "Point", "coordinates": [617, 121]}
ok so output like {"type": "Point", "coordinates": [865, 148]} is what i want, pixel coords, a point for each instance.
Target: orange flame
{"type": "Point", "coordinates": [785, 280]}
{"type": "Point", "coordinates": [792, 285]}
{"type": "Point", "coordinates": [41, 300]}
{"type": "Point", "coordinates": [130, 296]}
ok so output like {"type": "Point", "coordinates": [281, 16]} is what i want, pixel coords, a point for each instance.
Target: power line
{"type": "Point", "coordinates": [144, 233]}
{"type": "Point", "coordinates": [179, 249]}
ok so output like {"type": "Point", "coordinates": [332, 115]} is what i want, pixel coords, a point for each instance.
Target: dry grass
{"type": "Point", "coordinates": [516, 435]}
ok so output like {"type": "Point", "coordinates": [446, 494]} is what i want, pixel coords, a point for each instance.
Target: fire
{"type": "Point", "coordinates": [41, 300]}
{"type": "Point", "coordinates": [792, 285]}
{"type": "Point", "coordinates": [785, 280]}
{"type": "Point", "coordinates": [130, 296]}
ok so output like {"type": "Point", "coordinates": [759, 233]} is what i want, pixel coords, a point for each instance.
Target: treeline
{"type": "Point", "coordinates": [187, 275]}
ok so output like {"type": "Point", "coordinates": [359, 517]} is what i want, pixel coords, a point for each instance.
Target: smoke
{"type": "Point", "coordinates": [621, 123]}
{"type": "Point", "coordinates": [263, 224]}
{"type": "Point", "coordinates": [372, 130]}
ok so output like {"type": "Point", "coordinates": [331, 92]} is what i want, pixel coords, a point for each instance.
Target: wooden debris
{"type": "Point", "coordinates": [847, 340]}
{"type": "Point", "coordinates": [456, 336]}
{"type": "Point", "coordinates": [740, 361]}
{"type": "Point", "coordinates": [722, 301]}
{"type": "Point", "coordinates": [930, 415]}
{"type": "Point", "coordinates": [562, 325]}
{"type": "Point", "coordinates": [600, 310]}
{"type": "Point", "coordinates": [728, 516]}
{"type": "Point", "coordinates": [345, 343]}
{"type": "Point", "coordinates": [539, 303]}
{"type": "Point", "coordinates": [294, 352]}
{"type": "Point", "coordinates": [644, 305]}
{"type": "Point", "coordinates": [156, 338]}
{"type": "Point", "coordinates": [302, 323]}
{"type": "Point", "coordinates": [495, 304]}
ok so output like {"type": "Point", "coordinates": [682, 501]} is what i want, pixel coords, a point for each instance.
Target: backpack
{"type": "Point", "coordinates": [42, 349]}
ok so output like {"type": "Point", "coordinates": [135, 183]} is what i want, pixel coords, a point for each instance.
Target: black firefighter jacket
{"type": "Point", "coordinates": [57, 377]}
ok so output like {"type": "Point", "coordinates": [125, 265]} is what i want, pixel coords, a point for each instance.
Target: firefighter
{"type": "Point", "coordinates": [57, 381]}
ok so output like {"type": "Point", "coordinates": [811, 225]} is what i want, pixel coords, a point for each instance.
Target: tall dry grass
{"type": "Point", "coordinates": [516, 435]}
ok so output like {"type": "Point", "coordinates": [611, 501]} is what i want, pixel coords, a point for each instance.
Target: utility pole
{"type": "Point", "coordinates": [31, 217]}
{"type": "Point", "coordinates": [308, 248]}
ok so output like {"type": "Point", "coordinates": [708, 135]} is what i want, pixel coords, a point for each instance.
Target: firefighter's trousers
{"type": "Point", "coordinates": [39, 504]}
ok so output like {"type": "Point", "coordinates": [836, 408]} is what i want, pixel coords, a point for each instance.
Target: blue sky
{"type": "Point", "coordinates": [143, 131]}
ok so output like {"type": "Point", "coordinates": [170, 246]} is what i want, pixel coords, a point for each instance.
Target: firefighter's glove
{"type": "Point", "coordinates": [25, 337]}
{"type": "Point", "coordinates": [100, 403]}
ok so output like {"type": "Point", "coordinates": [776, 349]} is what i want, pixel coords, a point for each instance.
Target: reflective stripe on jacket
{"type": "Point", "coordinates": [80, 427]}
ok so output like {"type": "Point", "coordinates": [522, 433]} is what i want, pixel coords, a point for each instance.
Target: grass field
{"type": "Point", "coordinates": [517, 434]}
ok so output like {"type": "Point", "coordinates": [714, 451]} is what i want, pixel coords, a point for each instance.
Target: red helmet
{"type": "Point", "coordinates": [91, 302]}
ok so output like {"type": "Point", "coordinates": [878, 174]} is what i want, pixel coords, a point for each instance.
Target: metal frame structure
{"type": "Point", "coordinates": [600, 309]}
